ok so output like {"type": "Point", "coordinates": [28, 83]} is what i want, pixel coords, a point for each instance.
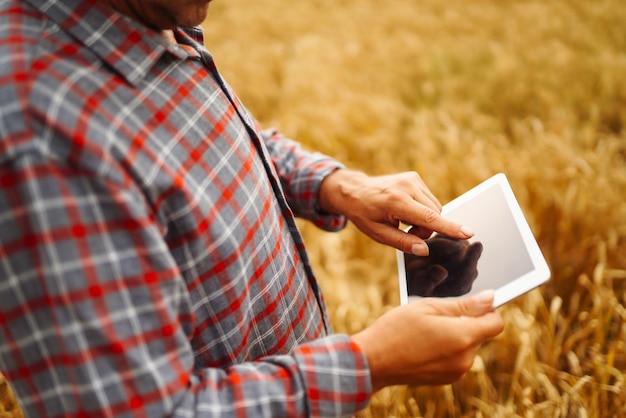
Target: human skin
{"type": "Point", "coordinates": [426, 342]}
{"type": "Point", "coordinates": [449, 270]}
{"type": "Point", "coordinates": [377, 206]}
{"type": "Point", "coordinates": [163, 15]}
{"type": "Point", "coordinates": [430, 341]}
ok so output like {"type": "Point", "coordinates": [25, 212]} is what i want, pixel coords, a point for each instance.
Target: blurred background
{"type": "Point", "coordinates": [459, 91]}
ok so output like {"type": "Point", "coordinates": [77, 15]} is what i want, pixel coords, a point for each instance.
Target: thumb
{"type": "Point", "coordinates": [479, 304]}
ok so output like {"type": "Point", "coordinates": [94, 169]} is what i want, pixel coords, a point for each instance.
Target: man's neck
{"type": "Point", "coordinates": [168, 34]}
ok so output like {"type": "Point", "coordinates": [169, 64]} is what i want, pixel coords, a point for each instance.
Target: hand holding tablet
{"type": "Point", "coordinates": [503, 255]}
{"type": "Point", "coordinates": [449, 270]}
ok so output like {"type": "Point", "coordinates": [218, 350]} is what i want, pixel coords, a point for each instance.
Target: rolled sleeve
{"type": "Point", "coordinates": [325, 378]}
{"type": "Point", "coordinates": [336, 375]}
{"type": "Point", "coordinates": [301, 175]}
{"type": "Point", "coordinates": [100, 303]}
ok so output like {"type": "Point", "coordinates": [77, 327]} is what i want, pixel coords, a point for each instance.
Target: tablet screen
{"type": "Point", "coordinates": [503, 255]}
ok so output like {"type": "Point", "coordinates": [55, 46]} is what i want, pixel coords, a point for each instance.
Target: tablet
{"type": "Point", "coordinates": [503, 255]}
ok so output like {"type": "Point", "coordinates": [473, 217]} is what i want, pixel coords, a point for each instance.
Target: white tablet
{"type": "Point", "coordinates": [503, 255]}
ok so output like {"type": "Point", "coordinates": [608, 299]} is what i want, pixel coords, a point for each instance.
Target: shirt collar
{"type": "Point", "coordinates": [127, 46]}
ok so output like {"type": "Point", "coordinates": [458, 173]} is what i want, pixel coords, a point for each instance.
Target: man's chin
{"type": "Point", "coordinates": [197, 16]}
{"type": "Point", "coordinates": [190, 16]}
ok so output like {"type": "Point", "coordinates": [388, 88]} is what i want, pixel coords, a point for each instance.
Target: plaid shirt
{"type": "Point", "coordinates": [150, 264]}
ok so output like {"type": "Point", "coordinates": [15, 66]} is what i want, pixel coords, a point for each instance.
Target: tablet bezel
{"type": "Point", "coordinates": [540, 272]}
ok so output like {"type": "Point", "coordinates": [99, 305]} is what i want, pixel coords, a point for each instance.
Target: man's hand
{"type": "Point", "coordinates": [377, 206]}
{"type": "Point", "coordinates": [448, 270]}
{"type": "Point", "coordinates": [428, 342]}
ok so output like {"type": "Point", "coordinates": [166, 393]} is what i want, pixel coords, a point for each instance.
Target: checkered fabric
{"type": "Point", "coordinates": [150, 264]}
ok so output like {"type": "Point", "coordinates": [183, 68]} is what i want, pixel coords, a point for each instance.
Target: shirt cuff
{"type": "Point", "coordinates": [327, 221]}
{"type": "Point", "coordinates": [336, 376]}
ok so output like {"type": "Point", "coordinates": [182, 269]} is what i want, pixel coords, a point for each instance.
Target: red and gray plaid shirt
{"type": "Point", "coordinates": [150, 264]}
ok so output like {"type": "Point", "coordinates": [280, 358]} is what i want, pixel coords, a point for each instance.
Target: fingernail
{"type": "Point", "coordinates": [420, 249]}
{"type": "Point", "coordinates": [467, 231]}
{"type": "Point", "coordinates": [485, 297]}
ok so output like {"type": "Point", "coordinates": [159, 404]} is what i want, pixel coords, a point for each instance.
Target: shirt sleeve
{"type": "Point", "coordinates": [96, 319]}
{"type": "Point", "coordinates": [301, 174]}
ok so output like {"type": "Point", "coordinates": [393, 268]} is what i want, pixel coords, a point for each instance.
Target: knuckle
{"type": "Point", "coordinates": [394, 197]}
{"type": "Point", "coordinates": [429, 215]}
{"type": "Point", "coordinates": [412, 177]}
{"type": "Point", "coordinates": [464, 365]}
{"type": "Point", "coordinates": [468, 362]}
{"type": "Point", "coordinates": [466, 342]}
{"type": "Point", "coordinates": [464, 362]}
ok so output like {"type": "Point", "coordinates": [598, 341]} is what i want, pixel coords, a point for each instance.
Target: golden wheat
{"type": "Point", "coordinates": [458, 91]}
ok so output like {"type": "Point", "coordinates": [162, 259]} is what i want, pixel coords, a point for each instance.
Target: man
{"type": "Point", "coordinates": [150, 264]}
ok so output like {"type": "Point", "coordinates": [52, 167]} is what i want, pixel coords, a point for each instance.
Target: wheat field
{"type": "Point", "coordinates": [459, 91]}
